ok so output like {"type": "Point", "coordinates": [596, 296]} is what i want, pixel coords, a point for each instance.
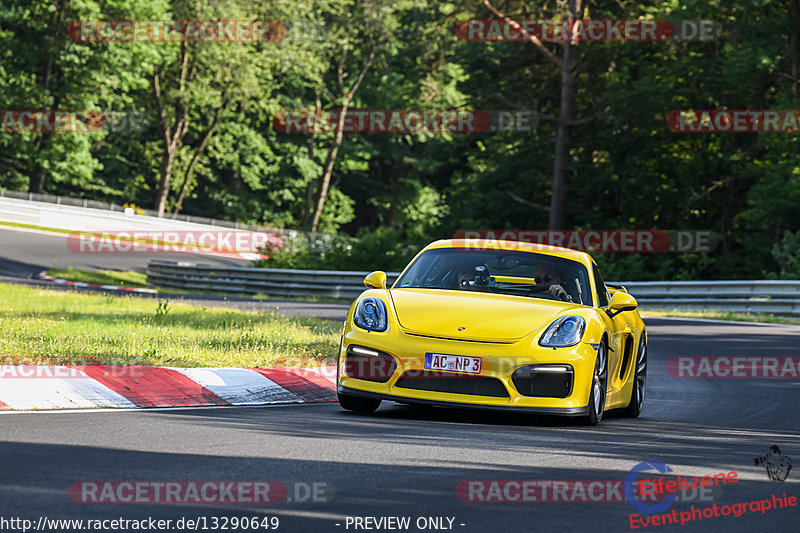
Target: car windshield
{"type": "Point", "coordinates": [501, 272]}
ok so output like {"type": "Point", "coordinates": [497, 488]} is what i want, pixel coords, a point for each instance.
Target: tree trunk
{"type": "Point", "coordinates": [567, 64]}
{"type": "Point", "coordinates": [337, 143]}
{"type": "Point", "coordinates": [328, 172]}
{"type": "Point", "coordinates": [558, 198]}
{"type": "Point", "coordinates": [172, 136]}
{"type": "Point", "coordinates": [163, 185]}
{"type": "Point", "coordinates": [794, 12]}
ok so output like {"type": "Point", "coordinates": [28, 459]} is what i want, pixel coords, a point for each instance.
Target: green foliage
{"type": "Point", "coordinates": [162, 308]}
{"type": "Point", "coordinates": [787, 255]}
{"type": "Point", "coordinates": [391, 194]}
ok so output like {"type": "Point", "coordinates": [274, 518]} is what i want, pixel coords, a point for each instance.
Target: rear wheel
{"type": "Point", "coordinates": [358, 404]}
{"type": "Point", "coordinates": [597, 396]}
{"type": "Point", "coordinates": [634, 408]}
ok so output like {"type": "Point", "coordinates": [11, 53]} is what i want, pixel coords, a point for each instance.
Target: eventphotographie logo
{"type": "Point", "coordinates": [631, 481]}
{"type": "Point", "coordinates": [777, 465]}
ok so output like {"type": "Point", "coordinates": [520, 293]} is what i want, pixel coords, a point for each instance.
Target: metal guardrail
{"type": "Point", "coordinates": [269, 281]}
{"type": "Point", "coordinates": [774, 297]}
{"type": "Point", "coordinates": [94, 204]}
{"type": "Point", "coordinates": [750, 296]}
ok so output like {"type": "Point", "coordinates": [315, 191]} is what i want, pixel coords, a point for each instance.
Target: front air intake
{"type": "Point", "coordinates": [544, 381]}
{"type": "Point", "coordinates": [452, 383]}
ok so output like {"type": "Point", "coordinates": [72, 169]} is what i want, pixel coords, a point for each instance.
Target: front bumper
{"type": "Point", "coordinates": [560, 411]}
{"type": "Point", "coordinates": [499, 362]}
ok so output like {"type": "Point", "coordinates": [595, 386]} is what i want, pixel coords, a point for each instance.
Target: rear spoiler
{"type": "Point", "coordinates": [617, 287]}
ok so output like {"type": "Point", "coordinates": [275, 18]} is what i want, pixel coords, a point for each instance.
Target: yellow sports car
{"type": "Point", "coordinates": [495, 325]}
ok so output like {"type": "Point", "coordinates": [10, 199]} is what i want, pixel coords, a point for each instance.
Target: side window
{"type": "Point", "coordinates": [602, 294]}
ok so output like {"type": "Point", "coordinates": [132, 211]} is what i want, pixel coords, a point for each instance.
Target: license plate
{"type": "Point", "coordinates": [453, 363]}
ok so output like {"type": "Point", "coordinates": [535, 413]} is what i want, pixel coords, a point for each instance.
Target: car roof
{"type": "Point", "coordinates": [491, 244]}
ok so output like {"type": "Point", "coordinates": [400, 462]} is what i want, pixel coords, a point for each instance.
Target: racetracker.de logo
{"type": "Point", "coordinates": [69, 121]}
{"type": "Point", "coordinates": [202, 492]}
{"type": "Point", "coordinates": [178, 492]}
{"type": "Point", "coordinates": [29, 371]}
{"type": "Point", "coordinates": [404, 121]}
{"type": "Point", "coordinates": [639, 241]}
{"type": "Point", "coordinates": [727, 367]}
{"type": "Point", "coordinates": [577, 491]}
{"type": "Point", "coordinates": [216, 242]}
{"type": "Point", "coordinates": [192, 31]}
{"type": "Point", "coordinates": [599, 30]}
{"type": "Point", "coordinates": [734, 121]}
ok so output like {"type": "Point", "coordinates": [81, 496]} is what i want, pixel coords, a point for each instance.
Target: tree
{"type": "Point", "coordinates": [567, 64]}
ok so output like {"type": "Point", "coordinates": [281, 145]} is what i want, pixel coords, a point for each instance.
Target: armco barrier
{"type": "Point", "coordinates": [269, 281]}
{"type": "Point", "coordinates": [32, 204]}
{"type": "Point", "coordinates": [774, 297]}
{"type": "Point", "coordinates": [88, 215]}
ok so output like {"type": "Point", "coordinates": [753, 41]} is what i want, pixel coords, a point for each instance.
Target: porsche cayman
{"type": "Point", "coordinates": [495, 325]}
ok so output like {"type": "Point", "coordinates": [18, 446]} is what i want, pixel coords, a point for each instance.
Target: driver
{"type": "Point", "coordinates": [550, 280]}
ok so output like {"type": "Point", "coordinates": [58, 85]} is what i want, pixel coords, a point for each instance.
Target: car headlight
{"type": "Point", "coordinates": [565, 331]}
{"type": "Point", "coordinates": [371, 314]}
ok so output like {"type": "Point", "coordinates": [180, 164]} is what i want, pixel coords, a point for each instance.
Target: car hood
{"type": "Point", "coordinates": [472, 316]}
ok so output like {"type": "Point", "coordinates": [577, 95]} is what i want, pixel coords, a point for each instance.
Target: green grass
{"type": "Point", "coordinates": [139, 279]}
{"type": "Point", "coordinates": [721, 315]}
{"type": "Point", "coordinates": [63, 327]}
{"type": "Point", "coordinates": [102, 277]}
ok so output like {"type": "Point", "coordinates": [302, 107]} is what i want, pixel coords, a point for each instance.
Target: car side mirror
{"type": "Point", "coordinates": [621, 302]}
{"type": "Point", "coordinates": [375, 280]}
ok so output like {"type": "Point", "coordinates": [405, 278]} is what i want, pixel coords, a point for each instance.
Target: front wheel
{"type": "Point", "coordinates": [634, 408]}
{"type": "Point", "coordinates": [358, 404]}
{"type": "Point", "coordinates": [597, 397]}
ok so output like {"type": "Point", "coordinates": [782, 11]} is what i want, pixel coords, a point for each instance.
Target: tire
{"type": "Point", "coordinates": [597, 396]}
{"type": "Point", "coordinates": [358, 404]}
{"type": "Point", "coordinates": [634, 408]}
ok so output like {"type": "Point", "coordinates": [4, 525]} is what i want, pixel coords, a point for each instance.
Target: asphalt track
{"type": "Point", "coordinates": [407, 462]}
{"type": "Point", "coordinates": [24, 252]}
{"type": "Point", "coordinates": [27, 252]}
